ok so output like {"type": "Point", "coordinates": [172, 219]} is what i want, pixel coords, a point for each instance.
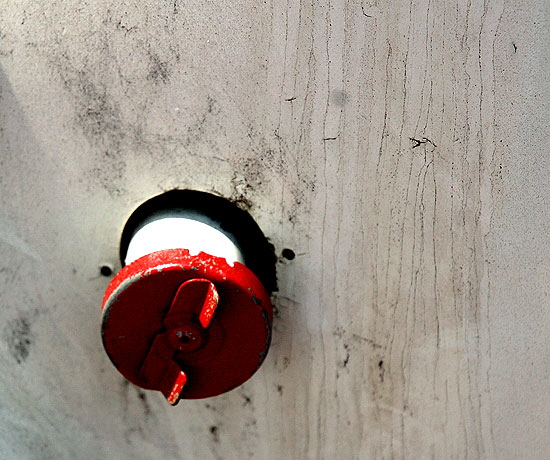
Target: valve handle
{"type": "Point", "coordinates": [196, 298]}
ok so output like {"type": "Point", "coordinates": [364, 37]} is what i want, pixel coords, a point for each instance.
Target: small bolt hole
{"type": "Point", "coordinates": [186, 337]}
{"type": "Point", "coordinates": [105, 270]}
{"type": "Point", "coordinates": [288, 254]}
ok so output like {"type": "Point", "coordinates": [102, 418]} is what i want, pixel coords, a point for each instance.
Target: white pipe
{"type": "Point", "coordinates": [181, 232]}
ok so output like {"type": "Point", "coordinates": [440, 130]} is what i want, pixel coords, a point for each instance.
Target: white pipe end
{"type": "Point", "coordinates": [181, 232]}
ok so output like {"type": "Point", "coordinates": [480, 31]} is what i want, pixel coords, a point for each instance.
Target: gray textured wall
{"type": "Point", "coordinates": [399, 148]}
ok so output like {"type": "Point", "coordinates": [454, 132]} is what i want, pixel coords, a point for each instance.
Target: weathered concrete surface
{"type": "Point", "coordinates": [398, 148]}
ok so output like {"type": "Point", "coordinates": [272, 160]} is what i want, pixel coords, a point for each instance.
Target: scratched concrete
{"type": "Point", "coordinates": [398, 148]}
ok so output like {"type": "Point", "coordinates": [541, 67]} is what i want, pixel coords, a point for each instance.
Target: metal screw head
{"type": "Point", "coordinates": [186, 338]}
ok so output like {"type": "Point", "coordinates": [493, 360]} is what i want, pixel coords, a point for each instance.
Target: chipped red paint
{"type": "Point", "coordinates": [177, 386]}
{"type": "Point", "coordinates": [188, 326]}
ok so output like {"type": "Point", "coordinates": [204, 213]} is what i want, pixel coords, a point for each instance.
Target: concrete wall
{"type": "Point", "coordinates": [399, 148]}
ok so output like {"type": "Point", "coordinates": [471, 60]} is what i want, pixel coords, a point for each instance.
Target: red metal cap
{"type": "Point", "coordinates": [188, 326]}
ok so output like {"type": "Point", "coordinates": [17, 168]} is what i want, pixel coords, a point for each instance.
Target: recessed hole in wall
{"type": "Point", "coordinates": [236, 223]}
{"type": "Point", "coordinates": [106, 270]}
{"type": "Point", "coordinates": [288, 254]}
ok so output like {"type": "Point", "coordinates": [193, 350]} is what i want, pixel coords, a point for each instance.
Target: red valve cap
{"type": "Point", "coordinates": [188, 326]}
